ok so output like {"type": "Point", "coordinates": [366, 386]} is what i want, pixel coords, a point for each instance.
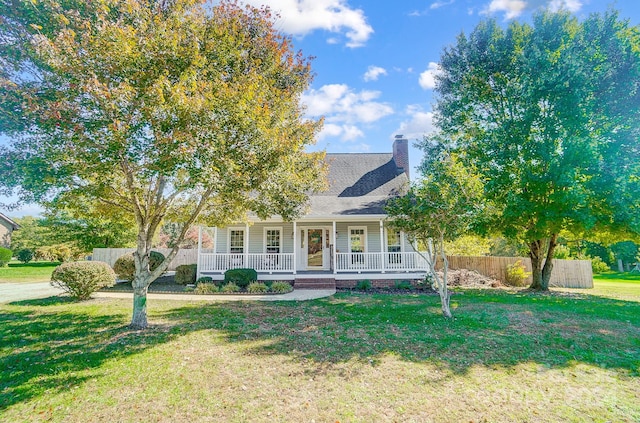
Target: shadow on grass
{"type": "Point", "coordinates": [491, 328]}
{"type": "Point", "coordinates": [49, 346]}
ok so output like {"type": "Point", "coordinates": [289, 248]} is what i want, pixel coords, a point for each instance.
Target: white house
{"type": "Point", "coordinates": [342, 239]}
{"type": "Point", "coordinates": [7, 226]}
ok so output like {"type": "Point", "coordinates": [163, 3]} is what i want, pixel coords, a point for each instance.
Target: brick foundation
{"type": "Point", "coordinates": [375, 283]}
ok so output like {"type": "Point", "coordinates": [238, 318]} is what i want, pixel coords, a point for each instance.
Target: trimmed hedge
{"type": "Point", "coordinates": [5, 256]}
{"type": "Point", "coordinates": [25, 255]}
{"type": "Point", "coordinates": [241, 277]}
{"type": "Point", "coordinates": [125, 266]}
{"type": "Point", "coordinates": [81, 279]}
{"type": "Point", "coordinates": [186, 274]}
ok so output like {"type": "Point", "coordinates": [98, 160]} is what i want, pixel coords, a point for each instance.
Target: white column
{"type": "Point", "coordinates": [246, 245]}
{"type": "Point", "coordinates": [295, 247]}
{"type": "Point", "coordinates": [215, 240]}
{"type": "Point", "coordinates": [335, 248]}
{"type": "Point", "coordinates": [382, 252]}
{"type": "Point", "coordinates": [199, 252]}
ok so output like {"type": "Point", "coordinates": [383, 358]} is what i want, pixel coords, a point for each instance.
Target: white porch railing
{"type": "Point", "coordinates": [345, 262]}
{"type": "Point", "coordinates": [380, 262]}
{"type": "Point", "coordinates": [260, 262]}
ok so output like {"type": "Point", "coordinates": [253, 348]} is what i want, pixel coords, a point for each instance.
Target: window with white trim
{"type": "Point", "coordinates": [236, 241]}
{"type": "Point", "coordinates": [394, 241]}
{"type": "Point", "coordinates": [357, 239]}
{"type": "Point", "coordinates": [272, 240]}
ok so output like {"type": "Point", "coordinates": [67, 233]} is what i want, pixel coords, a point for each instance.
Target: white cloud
{"type": "Point", "coordinates": [344, 109]}
{"type": "Point", "coordinates": [514, 8]}
{"type": "Point", "coordinates": [570, 5]}
{"type": "Point", "coordinates": [511, 8]}
{"type": "Point", "coordinates": [374, 72]}
{"type": "Point", "coordinates": [427, 78]}
{"type": "Point", "coordinates": [299, 17]}
{"type": "Point", "coordinates": [438, 4]}
{"type": "Point", "coordinates": [418, 123]}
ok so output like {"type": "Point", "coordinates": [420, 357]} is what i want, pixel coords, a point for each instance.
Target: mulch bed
{"type": "Point", "coordinates": [164, 284]}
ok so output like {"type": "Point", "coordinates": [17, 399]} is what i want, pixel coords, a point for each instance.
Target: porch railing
{"type": "Point", "coordinates": [260, 262]}
{"type": "Point", "coordinates": [345, 262]}
{"type": "Point", "coordinates": [376, 262]}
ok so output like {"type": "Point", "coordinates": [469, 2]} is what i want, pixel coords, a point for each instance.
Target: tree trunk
{"type": "Point", "coordinates": [443, 288]}
{"type": "Point", "coordinates": [139, 318]}
{"type": "Point", "coordinates": [535, 254]}
{"type": "Point", "coordinates": [542, 251]}
{"type": "Point", "coordinates": [548, 264]}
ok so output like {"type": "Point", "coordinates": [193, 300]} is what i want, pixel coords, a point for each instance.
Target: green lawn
{"type": "Point", "coordinates": [508, 356]}
{"type": "Point", "coordinates": [29, 272]}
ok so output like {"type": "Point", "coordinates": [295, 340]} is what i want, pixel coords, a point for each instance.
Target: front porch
{"type": "Point", "coordinates": [284, 263]}
{"type": "Point", "coordinates": [344, 250]}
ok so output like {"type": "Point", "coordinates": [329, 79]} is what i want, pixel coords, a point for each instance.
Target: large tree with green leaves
{"type": "Point", "coordinates": [548, 113]}
{"type": "Point", "coordinates": [171, 110]}
{"type": "Point", "coordinates": [439, 207]}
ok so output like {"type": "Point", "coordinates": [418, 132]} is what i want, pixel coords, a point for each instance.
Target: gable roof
{"type": "Point", "coordinates": [9, 222]}
{"type": "Point", "coordinates": [359, 184]}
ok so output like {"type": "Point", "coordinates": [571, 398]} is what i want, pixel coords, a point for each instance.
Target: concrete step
{"type": "Point", "coordinates": [315, 283]}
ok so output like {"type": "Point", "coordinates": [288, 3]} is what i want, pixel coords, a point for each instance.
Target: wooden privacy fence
{"type": "Point", "coordinates": [110, 255]}
{"type": "Point", "coordinates": [565, 274]}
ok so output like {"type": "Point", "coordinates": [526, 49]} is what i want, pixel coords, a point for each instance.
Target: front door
{"type": "Point", "coordinates": [315, 250]}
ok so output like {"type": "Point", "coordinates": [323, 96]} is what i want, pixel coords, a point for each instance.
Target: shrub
{"type": "Point", "coordinates": [5, 256]}
{"type": "Point", "coordinates": [598, 265]}
{"type": "Point", "coordinates": [516, 274]}
{"type": "Point", "coordinates": [257, 288]}
{"type": "Point", "coordinates": [364, 285]}
{"type": "Point", "coordinates": [426, 283]}
{"type": "Point", "coordinates": [230, 287]}
{"type": "Point", "coordinates": [25, 255]}
{"type": "Point", "coordinates": [60, 252]}
{"type": "Point", "coordinates": [241, 277]}
{"type": "Point", "coordinates": [125, 267]}
{"type": "Point", "coordinates": [186, 274]}
{"type": "Point", "coordinates": [81, 279]}
{"type": "Point", "coordinates": [205, 288]}
{"type": "Point", "coordinates": [205, 279]}
{"type": "Point", "coordinates": [281, 287]}
{"type": "Point", "coordinates": [403, 285]}
{"type": "Point", "coordinates": [43, 253]}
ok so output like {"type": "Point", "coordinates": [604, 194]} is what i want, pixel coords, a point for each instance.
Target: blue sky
{"type": "Point", "coordinates": [375, 60]}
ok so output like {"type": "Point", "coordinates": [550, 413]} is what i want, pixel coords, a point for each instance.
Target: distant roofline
{"type": "Point", "coordinates": [11, 222]}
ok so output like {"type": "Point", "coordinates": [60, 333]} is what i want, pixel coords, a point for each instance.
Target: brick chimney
{"type": "Point", "coordinates": [401, 153]}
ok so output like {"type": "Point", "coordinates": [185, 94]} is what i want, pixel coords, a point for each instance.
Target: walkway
{"type": "Point", "coordinates": [10, 292]}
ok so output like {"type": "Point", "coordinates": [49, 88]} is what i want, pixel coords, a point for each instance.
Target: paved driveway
{"type": "Point", "coordinates": [10, 292]}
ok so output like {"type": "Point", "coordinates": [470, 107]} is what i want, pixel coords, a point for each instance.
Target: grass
{"type": "Point", "coordinates": [508, 356]}
{"type": "Point", "coordinates": [39, 271]}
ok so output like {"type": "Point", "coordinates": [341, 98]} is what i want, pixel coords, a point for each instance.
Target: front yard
{"type": "Point", "coordinates": [508, 356]}
{"type": "Point", "coordinates": [17, 272]}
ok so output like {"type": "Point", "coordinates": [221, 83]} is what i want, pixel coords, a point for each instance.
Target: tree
{"type": "Point", "coordinates": [167, 109]}
{"type": "Point", "coordinates": [548, 115]}
{"type": "Point", "coordinates": [438, 208]}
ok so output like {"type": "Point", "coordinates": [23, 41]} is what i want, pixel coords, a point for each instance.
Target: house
{"type": "Point", "coordinates": [7, 226]}
{"type": "Point", "coordinates": [342, 239]}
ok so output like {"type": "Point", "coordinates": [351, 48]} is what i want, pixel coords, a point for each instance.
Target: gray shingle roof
{"type": "Point", "coordinates": [359, 184]}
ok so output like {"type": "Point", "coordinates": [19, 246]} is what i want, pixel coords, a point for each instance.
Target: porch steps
{"type": "Point", "coordinates": [315, 283]}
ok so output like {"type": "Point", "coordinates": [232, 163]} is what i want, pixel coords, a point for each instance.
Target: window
{"type": "Point", "coordinates": [394, 241]}
{"type": "Point", "coordinates": [236, 241]}
{"type": "Point", "coordinates": [357, 240]}
{"type": "Point", "coordinates": [357, 245]}
{"type": "Point", "coordinates": [272, 240]}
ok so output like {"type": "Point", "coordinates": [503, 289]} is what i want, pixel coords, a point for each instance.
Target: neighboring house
{"type": "Point", "coordinates": [342, 239]}
{"type": "Point", "coordinates": [7, 226]}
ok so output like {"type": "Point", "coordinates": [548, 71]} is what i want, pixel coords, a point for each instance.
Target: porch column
{"type": "Point", "coordinates": [382, 245]}
{"type": "Point", "coordinates": [199, 252]}
{"type": "Point", "coordinates": [295, 247]}
{"type": "Point", "coordinates": [335, 248]}
{"type": "Point", "coordinates": [246, 245]}
{"type": "Point", "coordinates": [215, 240]}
